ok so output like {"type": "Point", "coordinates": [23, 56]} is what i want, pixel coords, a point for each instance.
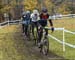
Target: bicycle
{"type": "Point", "coordinates": [44, 42]}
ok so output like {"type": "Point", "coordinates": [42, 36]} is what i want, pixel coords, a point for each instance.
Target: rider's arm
{"type": "Point", "coordinates": [51, 23]}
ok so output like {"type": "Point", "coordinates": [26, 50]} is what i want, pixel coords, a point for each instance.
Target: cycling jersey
{"type": "Point", "coordinates": [26, 19]}
{"type": "Point", "coordinates": [35, 17]}
{"type": "Point", "coordinates": [43, 19]}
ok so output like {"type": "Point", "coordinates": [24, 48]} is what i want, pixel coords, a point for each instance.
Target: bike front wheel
{"type": "Point", "coordinates": [45, 46]}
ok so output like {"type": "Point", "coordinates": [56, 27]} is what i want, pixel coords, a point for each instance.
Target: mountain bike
{"type": "Point", "coordinates": [44, 42]}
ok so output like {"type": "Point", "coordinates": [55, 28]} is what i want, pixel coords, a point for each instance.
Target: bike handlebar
{"type": "Point", "coordinates": [47, 28]}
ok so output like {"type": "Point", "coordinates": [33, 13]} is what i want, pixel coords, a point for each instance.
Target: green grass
{"type": "Point", "coordinates": [14, 47]}
{"type": "Point", "coordinates": [67, 23]}
{"type": "Point", "coordinates": [7, 48]}
{"type": "Point", "coordinates": [58, 48]}
{"type": "Point", "coordinates": [69, 38]}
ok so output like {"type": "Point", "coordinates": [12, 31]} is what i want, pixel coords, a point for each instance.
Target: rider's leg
{"type": "Point", "coordinates": [40, 30]}
{"type": "Point", "coordinates": [40, 34]}
{"type": "Point", "coordinates": [26, 29]}
{"type": "Point", "coordinates": [46, 30]}
{"type": "Point", "coordinates": [37, 26]}
{"type": "Point", "coordinates": [23, 28]}
{"type": "Point", "coordinates": [33, 28]}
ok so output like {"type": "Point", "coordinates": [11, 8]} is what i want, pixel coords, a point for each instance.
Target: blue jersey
{"type": "Point", "coordinates": [26, 19]}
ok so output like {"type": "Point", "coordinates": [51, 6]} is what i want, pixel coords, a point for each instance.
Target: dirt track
{"type": "Point", "coordinates": [24, 50]}
{"type": "Point", "coordinates": [32, 51]}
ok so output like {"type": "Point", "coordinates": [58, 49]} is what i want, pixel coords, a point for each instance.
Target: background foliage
{"type": "Point", "coordinates": [54, 6]}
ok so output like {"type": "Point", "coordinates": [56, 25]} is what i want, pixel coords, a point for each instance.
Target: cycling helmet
{"type": "Point", "coordinates": [35, 11]}
{"type": "Point", "coordinates": [27, 12]}
{"type": "Point", "coordinates": [44, 10]}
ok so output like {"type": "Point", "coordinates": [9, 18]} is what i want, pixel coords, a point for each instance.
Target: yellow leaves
{"type": "Point", "coordinates": [13, 3]}
{"type": "Point", "coordinates": [30, 4]}
{"type": "Point", "coordinates": [49, 5]}
{"type": "Point", "coordinates": [6, 8]}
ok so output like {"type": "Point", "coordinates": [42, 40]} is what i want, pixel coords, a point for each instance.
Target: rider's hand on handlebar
{"type": "Point", "coordinates": [52, 28]}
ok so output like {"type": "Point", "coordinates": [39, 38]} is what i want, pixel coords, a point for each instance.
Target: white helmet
{"type": "Point", "coordinates": [35, 11]}
{"type": "Point", "coordinates": [27, 12]}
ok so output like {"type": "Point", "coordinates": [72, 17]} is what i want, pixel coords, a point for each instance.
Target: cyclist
{"type": "Point", "coordinates": [35, 18]}
{"type": "Point", "coordinates": [44, 16]}
{"type": "Point", "coordinates": [27, 21]}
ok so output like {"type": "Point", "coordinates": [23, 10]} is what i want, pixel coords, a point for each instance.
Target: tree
{"type": "Point", "coordinates": [1, 6]}
{"type": "Point", "coordinates": [30, 4]}
{"type": "Point", "coordinates": [39, 2]}
{"type": "Point", "coordinates": [65, 8]}
{"type": "Point", "coordinates": [49, 5]}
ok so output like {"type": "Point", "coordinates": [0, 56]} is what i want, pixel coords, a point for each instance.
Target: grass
{"type": "Point", "coordinates": [7, 45]}
{"type": "Point", "coordinates": [67, 23]}
{"type": "Point", "coordinates": [69, 38]}
{"type": "Point", "coordinates": [13, 45]}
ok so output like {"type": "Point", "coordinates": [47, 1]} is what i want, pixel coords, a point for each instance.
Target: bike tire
{"type": "Point", "coordinates": [45, 47]}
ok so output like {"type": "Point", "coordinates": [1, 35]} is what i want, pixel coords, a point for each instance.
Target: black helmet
{"type": "Point", "coordinates": [44, 10]}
